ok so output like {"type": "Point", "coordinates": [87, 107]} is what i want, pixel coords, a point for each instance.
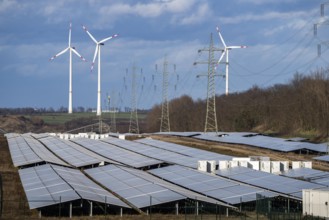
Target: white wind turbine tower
{"type": "Point", "coordinates": [226, 51]}
{"type": "Point", "coordinates": [70, 49]}
{"type": "Point", "coordinates": [98, 54]}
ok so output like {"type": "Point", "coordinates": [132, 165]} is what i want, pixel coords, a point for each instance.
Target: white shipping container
{"type": "Point", "coordinates": [307, 164]}
{"type": "Point", "coordinates": [316, 202]}
{"type": "Point", "coordinates": [253, 165]}
{"type": "Point", "coordinates": [265, 166]}
{"type": "Point", "coordinates": [241, 159]}
{"type": "Point", "coordinates": [284, 166]}
{"type": "Point", "coordinates": [223, 164]}
{"type": "Point", "coordinates": [243, 163]}
{"type": "Point", "coordinates": [296, 164]}
{"type": "Point", "coordinates": [211, 166]}
{"type": "Point", "coordinates": [202, 165]}
{"type": "Point", "coordinates": [275, 166]}
{"type": "Point", "coordinates": [234, 163]}
{"type": "Point", "coordinates": [259, 158]}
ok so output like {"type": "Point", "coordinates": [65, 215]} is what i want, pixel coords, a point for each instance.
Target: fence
{"type": "Point", "coordinates": [262, 208]}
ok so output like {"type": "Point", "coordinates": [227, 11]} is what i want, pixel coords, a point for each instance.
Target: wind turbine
{"type": "Point", "coordinates": [98, 54]}
{"type": "Point", "coordinates": [225, 52]}
{"type": "Point", "coordinates": [71, 49]}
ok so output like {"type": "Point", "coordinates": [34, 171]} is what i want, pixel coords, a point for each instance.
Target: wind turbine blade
{"type": "Point", "coordinates": [106, 39]}
{"type": "Point", "coordinates": [95, 55]}
{"type": "Point", "coordinates": [76, 52]}
{"type": "Point", "coordinates": [60, 53]}
{"type": "Point", "coordinates": [91, 36]}
{"type": "Point", "coordinates": [220, 36]}
{"type": "Point", "coordinates": [70, 34]}
{"type": "Point", "coordinates": [234, 47]}
{"type": "Point", "coordinates": [220, 59]}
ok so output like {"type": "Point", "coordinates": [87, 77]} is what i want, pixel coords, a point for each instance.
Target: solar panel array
{"type": "Point", "coordinates": [184, 150]}
{"type": "Point", "coordinates": [25, 150]}
{"type": "Point", "coordinates": [153, 152]}
{"type": "Point", "coordinates": [77, 157]}
{"type": "Point", "coordinates": [322, 158]}
{"type": "Point", "coordinates": [86, 188]}
{"type": "Point", "coordinates": [43, 187]}
{"type": "Point", "coordinates": [269, 181]}
{"type": "Point", "coordinates": [311, 175]}
{"type": "Point", "coordinates": [185, 192]}
{"type": "Point", "coordinates": [182, 134]}
{"type": "Point", "coordinates": [21, 152]}
{"type": "Point", "coordinates": [277, 144]}
{"type": "Point", "coordinates": [50, 184]}
{"type": "Point", "coordinates": [216, 187]}
{"type": "Point", "coordinates": [116, 153]}
{"type": "Point", "coordinates": [138, 191]}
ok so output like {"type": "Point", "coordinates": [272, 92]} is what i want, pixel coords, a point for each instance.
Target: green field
{"type": "Point", "coordinates": [61, 118]}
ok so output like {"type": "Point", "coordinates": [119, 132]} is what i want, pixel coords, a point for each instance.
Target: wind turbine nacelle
{"type": "Point", "coordinates": [102, 44]}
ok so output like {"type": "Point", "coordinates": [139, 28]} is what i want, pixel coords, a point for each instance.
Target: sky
{"type": "Point", "coordinates": [279, 35]}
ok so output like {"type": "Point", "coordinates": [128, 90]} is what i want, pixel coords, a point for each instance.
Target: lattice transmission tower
{"type": "Point", "coordinates": [211, 118]}
{"type": "Point", "coordinates": [317, 25]}
{"type": "Point", "coordinates": [113, 127]}
{"type": "Point", "coordinates": [165, 119]}
{"type": "Point", "coordinates": [165, 122]}
{"type": "Point", "coordinates": [133, 124]}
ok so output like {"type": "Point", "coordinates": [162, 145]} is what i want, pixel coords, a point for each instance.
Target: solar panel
{"type": "Point", "coordinates": [71, 154]}
{"type": "Point", "coordinates": [50, 184]}
{"type": "Point", "coordinates": [86, 188]}
{"type": "Point", "coordinates": [311, 175]}
{"type": "Point", "coordinates": [43, 152]}
{"type": "Point", "coordinates": [216, 187]}
{"type": "Point", "coordinates": [181, 134]}
{"type": "Point", "coordinates": [153, 152]}
{"type": "Point", "coordinates": [117, 154]}
{"type": "Point", "coordinates": [322, 158]}
{"type": "Point", "coordinates": [252, 139]}
{"type": "Point", "coordinates": [43, 187]}
{"type": "Point", "coordinates": [268, 181]}
{"type": "Point", "coordinates": [21, 153]}
{"type": "Point", "coordinates": [138, 191]}
{"type": "Point", "coordinates": [187, 193]}
{"type": "Point", "coordinates": [188, 151]}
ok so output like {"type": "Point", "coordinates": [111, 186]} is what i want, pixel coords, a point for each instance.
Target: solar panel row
{"type": "Point", "coordinates": [277, 144]}
{"type": "Point", "coordinates": [153, 152]}
{"type": "Point", "coordinates": [269, 181]}
{"type": "Point", "coordinates": [216, 187]}
{"type": "Point", "coordinates": [25, 150]}
{"type": "Point", "coordinates": [311, 175]}
{"type": "Point", "coordinates": [72, 153]}
{"type": "Point", "coordinates": [138, 191]}
{"type": "Point", "coordinates": [187, 151]}
{"type": "Point", "coordinates": [50, 184]}
{"type": "Point", "coordinates": [116, 153]}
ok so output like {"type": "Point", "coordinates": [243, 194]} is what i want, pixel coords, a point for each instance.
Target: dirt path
{"type": "Point", "coordinates": [242, 150]}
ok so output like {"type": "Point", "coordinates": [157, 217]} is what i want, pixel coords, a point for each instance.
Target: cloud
{"type": "Point", "coordinates": [262, 17]}
{"type": "Point", "coordinates": [147, 10]}
{"type": "Point", "coordinates": [199, 16]}
{"type": "Point", "coordinates": [6, 5]}
{"type": "Point", "coordinates": [262, 2]}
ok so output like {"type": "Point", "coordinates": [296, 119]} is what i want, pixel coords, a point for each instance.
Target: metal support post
{"type": "Point", "coordinates": [91, 209]}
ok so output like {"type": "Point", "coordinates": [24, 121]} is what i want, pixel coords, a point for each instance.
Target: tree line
{"type": "Point", "coordinates": [299, 107]}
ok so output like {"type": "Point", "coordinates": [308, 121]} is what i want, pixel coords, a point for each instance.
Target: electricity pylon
{"type": "Point", "coordinates": [133, 125]}
{"type": "Point", "coordinates": [323, 22]}
{"type": "Point", "coordinates": [211, 118]}
{"type": "Point", "coordinates": [165, 122]}
{"type": "Point", "coordinates": [113, 114]}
